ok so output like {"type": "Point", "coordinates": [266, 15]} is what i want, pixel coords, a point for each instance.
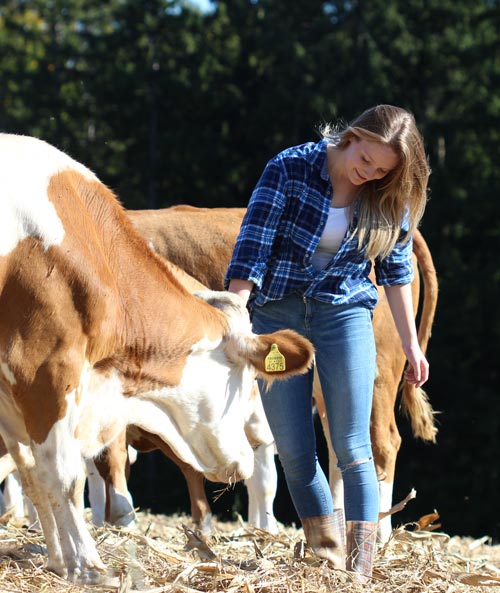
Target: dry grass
{"type": "Point", "coordinates": [160, 556]}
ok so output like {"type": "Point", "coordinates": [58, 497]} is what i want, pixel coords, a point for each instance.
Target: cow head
{"type": "Point", "coordinates": [207, 412]}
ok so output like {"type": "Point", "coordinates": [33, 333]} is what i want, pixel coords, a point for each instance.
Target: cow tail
{"type": "Point", "coordinates": [415, 403]}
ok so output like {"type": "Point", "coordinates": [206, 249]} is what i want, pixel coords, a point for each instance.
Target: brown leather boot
{"type": "Point", "coordinates": [325, 535]}
{"type": "Point", "coordinates": [361, 546]}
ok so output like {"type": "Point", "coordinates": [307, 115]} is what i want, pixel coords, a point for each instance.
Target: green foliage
{"type": "Point", "coordinates": [168, 104]}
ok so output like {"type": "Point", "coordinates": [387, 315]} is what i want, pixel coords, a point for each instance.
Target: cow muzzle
{"type": "Point", "coordinates": [233, 472]}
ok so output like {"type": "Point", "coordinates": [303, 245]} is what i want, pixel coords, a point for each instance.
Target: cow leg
{"type": "Point", "coordinates": [7, 466]}
{"type": "Point", "coordinates": [97, 492]}
{"type": "Point", "coordinates": [385, 451]}
{"type": "Point", "coordinates": [9, 498]}
{"type": "Point", "coordinates": [263, 482]}
{"type": "Point", "coordinates": [107, 499]}
{"type": "Point", "coordinates": [13, 494]}
{"type": "Point", "coordinates": [113, 470]}
{"type": "Point", "coordinates": [60, 475]}
{"type": "Point", "coordinates": [262, 485]}
{"type": "Point", "coordinates": [201, 513]}
{"type": "Point", "coordinates": [30, 510]}
{"type": "Point", "coordinates": [80, 560]}
{"type": "Point", "coordinates": [334, 474]}
{"type": "Point", "coordinates": [28, 473]}
{"type": "Point", "coordinates": [12, 497]}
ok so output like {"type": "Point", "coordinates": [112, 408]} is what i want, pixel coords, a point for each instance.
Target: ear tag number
{"type": "Point", "coordinates": [275, 361]}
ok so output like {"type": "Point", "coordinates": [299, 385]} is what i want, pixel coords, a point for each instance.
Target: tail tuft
{"type": "Point", "coordinates": [416, 406]}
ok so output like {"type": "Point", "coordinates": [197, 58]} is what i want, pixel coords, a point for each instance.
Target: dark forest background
{"type": "Point", "coordinates": [168, 104]}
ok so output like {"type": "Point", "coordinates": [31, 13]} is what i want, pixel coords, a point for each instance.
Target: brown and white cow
{"type": "Point", "coordinates": [96, 334]}
{"type": "Point", "coordinates": [107, 475]}
{"type": "Point", "coordinates": [201, 241]}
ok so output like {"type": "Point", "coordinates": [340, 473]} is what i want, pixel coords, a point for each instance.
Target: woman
{"type": "Point", "coordinates": [319, 216]}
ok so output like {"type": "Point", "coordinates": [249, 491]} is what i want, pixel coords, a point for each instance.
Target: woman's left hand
{"type": "Point", "coordinates": [417, 371]}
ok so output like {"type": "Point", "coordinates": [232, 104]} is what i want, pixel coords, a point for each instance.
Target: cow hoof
{"type": "Point", "coordinates": [205, 525]}
{"type": "Point", "coordinates": [93, 576]}
{"type": "Point", "coordinates": [271, 527]}
{"type": "Point", "coordinates": [127, 520]}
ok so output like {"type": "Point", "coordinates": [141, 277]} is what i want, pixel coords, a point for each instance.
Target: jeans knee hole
{"type": "Point", "coordinates": [348, 466]}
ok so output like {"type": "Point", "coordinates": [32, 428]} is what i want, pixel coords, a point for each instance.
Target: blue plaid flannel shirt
{"type": "Point", "coordinates": [285, 218]}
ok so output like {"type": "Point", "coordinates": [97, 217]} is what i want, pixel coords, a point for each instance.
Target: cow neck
{"type": "Point", "coordinates": [138, 318]}
{"type": "Point", "coordinates": [173, 322]}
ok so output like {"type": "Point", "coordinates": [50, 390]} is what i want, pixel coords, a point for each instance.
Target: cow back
{"type": "Point", "coordinates": [198, 240]}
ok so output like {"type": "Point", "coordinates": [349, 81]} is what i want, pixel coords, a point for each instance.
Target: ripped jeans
{"type": "Point", "coordinates": [345, 360]}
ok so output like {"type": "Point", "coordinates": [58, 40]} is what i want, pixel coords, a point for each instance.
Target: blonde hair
{"type": "Point", "coordinates": [402, 193]}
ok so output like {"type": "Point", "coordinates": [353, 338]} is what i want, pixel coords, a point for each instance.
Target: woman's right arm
{"type": "Point", "coordinates": [258, 230]}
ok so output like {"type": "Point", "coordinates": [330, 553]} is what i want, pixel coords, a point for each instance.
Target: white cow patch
{"type": "Point", "coordinates": [199, 418]}
{"type": "Point", "coordinates": [102, 409]}
{"type": "Point", "coordinates": [26, 209]}
{"type": "Point", "coordinates": [7, 373]}
{"type": "Point", "coordinates": [60, 438]}
{"type": "Point", "coordinates": [150, 416]}
{"type": "Point", "coordinates": [97, 492]}
{"type": "Point", "coordinates": [385, 494]}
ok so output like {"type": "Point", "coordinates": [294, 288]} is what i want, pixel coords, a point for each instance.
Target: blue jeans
{"type": "Point", "coordinates": [345, 360]}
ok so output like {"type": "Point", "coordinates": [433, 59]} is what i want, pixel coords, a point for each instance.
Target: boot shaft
{"type": "Point", "coordinates": [325, 535]}
{"type": "Point", "coordinates": [361, 547]}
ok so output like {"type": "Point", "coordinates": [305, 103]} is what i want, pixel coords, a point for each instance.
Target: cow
{"type": "Point", "coordinates": [97, 334]}
{"type": "Point", "coordinates": [201, 241]}
{"type": "Point", "coordinates": [107, 475]}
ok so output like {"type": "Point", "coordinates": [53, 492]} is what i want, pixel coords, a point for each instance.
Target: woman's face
{"type": "Point", "coordinates": [367, 161]}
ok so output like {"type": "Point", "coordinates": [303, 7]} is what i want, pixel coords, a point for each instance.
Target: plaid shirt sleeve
{"type": "Point", "coordinates": [258, 230]}
{"type": "Point", "coordinates": [397, 267]}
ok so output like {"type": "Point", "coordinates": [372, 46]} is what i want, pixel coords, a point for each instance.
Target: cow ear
{"type": "Point", "coordinates": [297, 352]}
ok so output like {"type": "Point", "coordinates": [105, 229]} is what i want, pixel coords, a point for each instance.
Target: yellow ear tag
{"type": "Point", "coordinates": [275, 361]}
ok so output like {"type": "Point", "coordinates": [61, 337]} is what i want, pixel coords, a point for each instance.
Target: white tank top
{"type": "Point", "coordinates": [335, 230]}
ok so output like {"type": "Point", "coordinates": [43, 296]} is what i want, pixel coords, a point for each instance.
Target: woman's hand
{"type": "Point", "coordinates": [417, 371]}
{"type": "Point", "coordinates": [242, 288]}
